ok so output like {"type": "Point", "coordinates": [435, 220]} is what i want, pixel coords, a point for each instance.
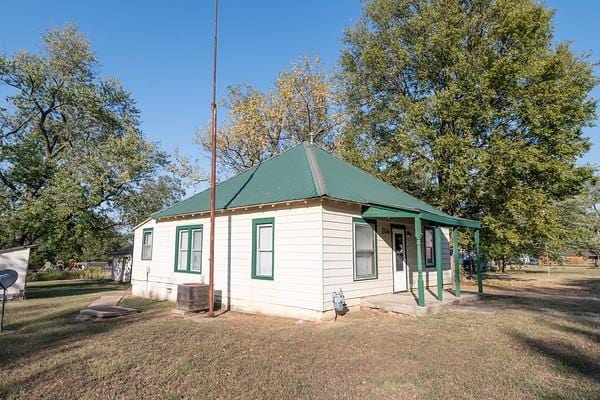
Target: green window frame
{"type": "Point", "coordinates": [147, 233]}
{"type": "Point", "coordinates": [359, 250]}
{"type": "Point", "coordinates": [188, 249]}
{"type": "Point", "coordinates": [429, 246]}
{"type": "Point", "coordinates": [261, 250]}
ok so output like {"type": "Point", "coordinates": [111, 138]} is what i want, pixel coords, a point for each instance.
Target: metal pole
{"type": "Point", "coordinates": [2, 316]}
{"type": "Point", "coordinates": [213, 174]}
{"type": "Point", "coordinates": [479, 271]}
{"type": "Point", "coordinates": [547, 260]}
{"type": "Point", "coordinates": [456, 263]}
{"type": "Point", "coordinates": [438, 262]}
{"type": "Point", "coordinates": [418, 238]}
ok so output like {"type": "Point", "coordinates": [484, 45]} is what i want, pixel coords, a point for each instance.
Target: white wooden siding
{"type": "Point", "coordinates": [297, 285]}
{"type": "Point", "coordinates": [313, 258]}
{"type": "Point", "coordinates": [338, 256]}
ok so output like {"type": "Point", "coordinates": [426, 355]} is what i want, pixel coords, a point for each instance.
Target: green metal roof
{"type": "Point", "coordinates": [303, 172]}
{"type": "Point", "coordinates": [375, 211]}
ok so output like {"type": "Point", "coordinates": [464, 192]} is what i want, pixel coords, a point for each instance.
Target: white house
{"type": "Point", "coordinates": [292, 230]}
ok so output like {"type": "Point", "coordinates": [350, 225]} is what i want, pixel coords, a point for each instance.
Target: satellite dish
{"type": "Point", "coordinates": [8, 277]}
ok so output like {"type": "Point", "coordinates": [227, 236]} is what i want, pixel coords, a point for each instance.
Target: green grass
{"type": "Point", "coordinates": [472, 354]}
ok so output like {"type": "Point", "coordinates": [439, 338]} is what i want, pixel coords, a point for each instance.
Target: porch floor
{"type": "Point", "coordinates": [406, 302]}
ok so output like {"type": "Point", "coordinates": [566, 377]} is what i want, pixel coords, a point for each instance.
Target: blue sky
{"type": "Point", "coordinates": [161, 50]}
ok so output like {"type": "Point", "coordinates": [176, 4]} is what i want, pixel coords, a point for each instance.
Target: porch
{"type": "Point", "coordinates": [406, 303]}
{"type": "Point", "coordinates": [420, 293]}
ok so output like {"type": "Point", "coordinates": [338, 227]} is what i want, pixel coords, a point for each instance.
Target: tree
{"type": "Point", "coordinates": [260, 124]}
{"type": "Point", "coordinates": [75, 168]}
{"type": "Point", "coordinates": [469, 105]}
{"type": "Point", "coordinates": [580, 217]}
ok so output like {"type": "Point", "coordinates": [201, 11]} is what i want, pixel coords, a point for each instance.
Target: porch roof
{"type": "Point", "coordinates": [386, 212]}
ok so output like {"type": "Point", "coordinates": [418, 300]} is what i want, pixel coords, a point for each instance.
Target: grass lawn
{"type": "Point", "coordinates": [533, 337]}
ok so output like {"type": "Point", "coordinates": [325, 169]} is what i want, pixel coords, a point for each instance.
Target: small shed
{"type": "Point", "coordinates": [121, 264]}
{"type": "Point", "coordinates": [16, 258]}
{"type": "Point", "coordinates": [581, 257]}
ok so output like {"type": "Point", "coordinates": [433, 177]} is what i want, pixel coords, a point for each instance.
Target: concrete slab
{"type": "Point", "coordinates": [106, 307]}
{"type": "Point", "coordinates": [406, 303]}
{"type": "Point", "coordinates": [107, 311]}
{"type": "Point", "coordinates": [108, 301]}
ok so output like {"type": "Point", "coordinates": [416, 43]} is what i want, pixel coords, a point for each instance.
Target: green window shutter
{"type": "Point", "coordinates": [188, 249]}
{"type": "Point", "coordinates": [263, 248]}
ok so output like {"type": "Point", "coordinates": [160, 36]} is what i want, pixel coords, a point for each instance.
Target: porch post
{"type": "Point", "coordinates": [418, 238]}
{"type": "Point", "coordinates": [456, 262]}
{"type": "Point", "coordinates": [438, 262]}
{"type": "Point", "coordinates": [479, 272]}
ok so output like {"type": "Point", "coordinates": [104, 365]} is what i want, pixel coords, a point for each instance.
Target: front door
{"type": "Point", "coordinates": [399, 260]}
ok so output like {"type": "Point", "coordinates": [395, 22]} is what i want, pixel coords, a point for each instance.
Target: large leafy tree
{"type": "Point", "coordinates": [75, 169]}
{"type": "Point", "coordinates": [301, 105]}
{"type": "Point", "coordinates": [470, 105]}
{"type": "Point", "coordinates": [580, 217]}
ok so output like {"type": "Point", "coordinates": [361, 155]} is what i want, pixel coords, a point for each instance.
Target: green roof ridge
{"type": "Point", "coordinates": [390, 186]}
{"type": "Point", "coordinates": [319, 181]}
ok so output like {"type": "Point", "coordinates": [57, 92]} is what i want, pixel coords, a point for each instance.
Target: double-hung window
{"type": "Point", "coordinates": [147, 238]}
{"type": "Point", "coordinates": [263, 254]}
{"type": "Point", "coordinates": [429, 247]}
{"type": "Point", "coordinates": [365, 249]}
{"type": "Point", "coordinates": [188, 249]}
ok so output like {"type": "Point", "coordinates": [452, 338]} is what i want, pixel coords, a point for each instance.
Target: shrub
{"type": "Point", "coordinates": [89, 273]}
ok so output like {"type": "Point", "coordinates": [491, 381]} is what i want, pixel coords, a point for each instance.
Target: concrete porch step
{"type": "Point", "coordinates": [406, 303]}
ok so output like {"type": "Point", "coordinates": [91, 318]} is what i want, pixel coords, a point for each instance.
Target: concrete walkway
{"type": "Point", "coordinates": [406, 302]}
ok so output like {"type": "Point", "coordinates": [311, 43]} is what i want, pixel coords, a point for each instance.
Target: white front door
{"type": "Point", "coordinates": [399, 260]}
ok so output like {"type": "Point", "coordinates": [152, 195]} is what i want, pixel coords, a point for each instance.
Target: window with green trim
{"type": "Point", "coordinates": [429, 247]}
{"type": "Point", "coordinates": [263, 251]}
{"type": "Point", "coordinates": [365, 249]}
{"type": "Point", "coordinates": [188, 249]}
{"type": "Point", "coordinates": [147, 239]}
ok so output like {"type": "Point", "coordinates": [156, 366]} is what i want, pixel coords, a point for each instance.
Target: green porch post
{"type": "Point", "coordinates": [438, 262]}
{"type": "Point", "coordinates": [479, 272]}
{"type": "Point", "coordinates": [456, 263]}
{"type": "Point", "coordinates": [418, 238]}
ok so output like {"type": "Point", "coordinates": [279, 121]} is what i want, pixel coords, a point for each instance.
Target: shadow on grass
{"type": "Point", "coordinates": [43, 290]}
{"type": "Point", "coordinates": [589, 334]}
{"type": "Point", "coordinates": [590, 285]}
{"type": "Point", "coordinates": [47, 334]}
{"type": "Point", "coordinates": [13, 388]}
{"type": "Point", "coordinates": [581, 287]}
{"type": "Point", "coordinates": [568, 358]}
{"type": "Point", "coordinates": [544, 304]}
{"type": "Point", "coordinates": [53, 327]}
{"type": "Point", "coordinates": [505, 277]}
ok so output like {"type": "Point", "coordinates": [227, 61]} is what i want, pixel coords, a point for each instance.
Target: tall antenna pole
{"type": "Point", "coordinates": [213, 175]}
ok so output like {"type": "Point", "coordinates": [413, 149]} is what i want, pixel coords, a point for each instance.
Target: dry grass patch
{"type": "Point", "coordinates": [363, 355]}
